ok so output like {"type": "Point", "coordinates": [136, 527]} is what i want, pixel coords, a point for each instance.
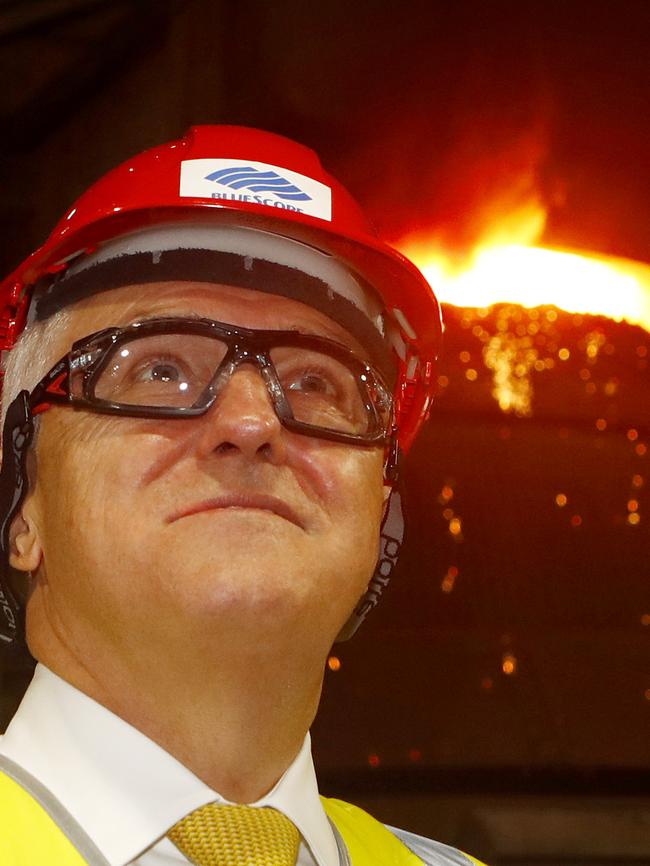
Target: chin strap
{"type": "Point", "coordinates": [391, 539]}
{"type": "Point", "coordinates": [16, 438]}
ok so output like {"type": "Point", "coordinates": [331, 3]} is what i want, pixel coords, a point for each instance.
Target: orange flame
{"type": "Point", "coordinates": [507, 266]}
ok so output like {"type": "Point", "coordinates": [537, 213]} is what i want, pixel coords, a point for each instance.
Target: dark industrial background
{"type": "Point", "coordinates": [499, 698]}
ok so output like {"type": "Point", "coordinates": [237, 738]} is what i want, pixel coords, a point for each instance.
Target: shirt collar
{"type": "Point", "coordinates": [124, 789]}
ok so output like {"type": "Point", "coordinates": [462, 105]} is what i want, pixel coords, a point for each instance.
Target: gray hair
{"type": "Point", "coordinates": [32, 356]}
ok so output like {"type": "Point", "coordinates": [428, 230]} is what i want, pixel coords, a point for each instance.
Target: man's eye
{"type": "Point", "coordinates": [162, 372]}
{"type": "Point", "coordinates": [312, 383]}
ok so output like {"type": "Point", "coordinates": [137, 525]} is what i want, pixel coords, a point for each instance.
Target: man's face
{"type": "Point", "coordinates": [169, 529]}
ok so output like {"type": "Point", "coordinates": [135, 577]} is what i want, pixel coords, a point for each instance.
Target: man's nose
{"type": "Point", "coordinates": [243, 420]}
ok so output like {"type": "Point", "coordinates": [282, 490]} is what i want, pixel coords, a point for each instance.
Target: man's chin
{"type": "Point", "coordinates": [253, 612]}
{"type": "Point", "coordinates": [224, 579]}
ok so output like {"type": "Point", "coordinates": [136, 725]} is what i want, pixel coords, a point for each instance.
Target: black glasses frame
{"type": "Point", "coordinates": [91, 354]}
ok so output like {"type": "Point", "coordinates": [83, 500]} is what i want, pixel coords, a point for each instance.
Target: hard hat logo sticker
{"type": "Point", "coordinates": [258, 181]}
{"type": "Point", "coordinates": [255, 183]}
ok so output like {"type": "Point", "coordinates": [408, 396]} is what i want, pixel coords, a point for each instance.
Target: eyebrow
{"type": "Point", "coordinates": [147, 315]}
{"type": "Point", "coordinates": [354, 345]}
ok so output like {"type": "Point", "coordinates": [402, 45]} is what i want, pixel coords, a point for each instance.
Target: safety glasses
{"type": "Point", "coordinates": [176, 367]}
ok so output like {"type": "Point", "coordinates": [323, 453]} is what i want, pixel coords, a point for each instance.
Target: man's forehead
{"type": "Point", "coordinates": [230, 304]}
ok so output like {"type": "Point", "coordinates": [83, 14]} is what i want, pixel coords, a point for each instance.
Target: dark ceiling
{"type": "Point", "coordinates": [432, 112]}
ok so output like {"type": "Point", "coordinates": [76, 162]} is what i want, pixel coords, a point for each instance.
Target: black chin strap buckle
{"type": "Point", "coordinates": [390, 543]}
{"type": "Point", "coordinates": [391, 540]}
{"type": "Point", "coordinates": [17, 436]}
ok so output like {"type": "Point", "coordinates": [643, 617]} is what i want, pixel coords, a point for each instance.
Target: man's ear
{"type": "Point", "coordinates": [25, 551]}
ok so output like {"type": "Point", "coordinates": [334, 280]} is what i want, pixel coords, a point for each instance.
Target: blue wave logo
{"type": "Point", "coordinates": [247, 177]}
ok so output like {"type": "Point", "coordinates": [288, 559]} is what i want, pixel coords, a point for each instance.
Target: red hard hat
{"type": "Point", "coordinates": [247, 177]}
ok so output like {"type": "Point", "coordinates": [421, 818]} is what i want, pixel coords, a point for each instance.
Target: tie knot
{"type": "Point", "coordinates": [218, 835]}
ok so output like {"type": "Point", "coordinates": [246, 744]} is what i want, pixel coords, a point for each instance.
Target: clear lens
{"type": "Point", "coordinates": [323, 391]}
{"type": "Point", "coordinates": [163, 370]}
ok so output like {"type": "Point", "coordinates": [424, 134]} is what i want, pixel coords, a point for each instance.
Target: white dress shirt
{"type": "Point", "coordinates": [125, 790]}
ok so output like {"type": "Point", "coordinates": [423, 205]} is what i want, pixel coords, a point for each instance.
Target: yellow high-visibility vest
{"type": "Point", "coordinates": [35, 830]}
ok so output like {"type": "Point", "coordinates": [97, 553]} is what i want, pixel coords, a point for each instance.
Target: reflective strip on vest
{"type": "Point", "coordinates": [34, 826]}
{"type": "Point", "coordinates": [434, 853]}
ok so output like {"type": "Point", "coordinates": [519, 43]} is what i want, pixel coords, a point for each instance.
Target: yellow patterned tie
{"type": "Point", "coordinates": [217, 835]}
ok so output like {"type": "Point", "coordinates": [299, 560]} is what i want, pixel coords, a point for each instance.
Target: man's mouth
{"type": "Point", "coordinates": [259, 501]}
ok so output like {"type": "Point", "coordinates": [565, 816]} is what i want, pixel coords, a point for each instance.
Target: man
{"type": "Point", "coordinates": [203, 417]}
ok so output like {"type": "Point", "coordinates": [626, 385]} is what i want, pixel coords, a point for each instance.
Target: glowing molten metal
{"type": "Point", "coordinates": [534, 276]}
{"type": "Point", "coordinates": [507, 272]}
